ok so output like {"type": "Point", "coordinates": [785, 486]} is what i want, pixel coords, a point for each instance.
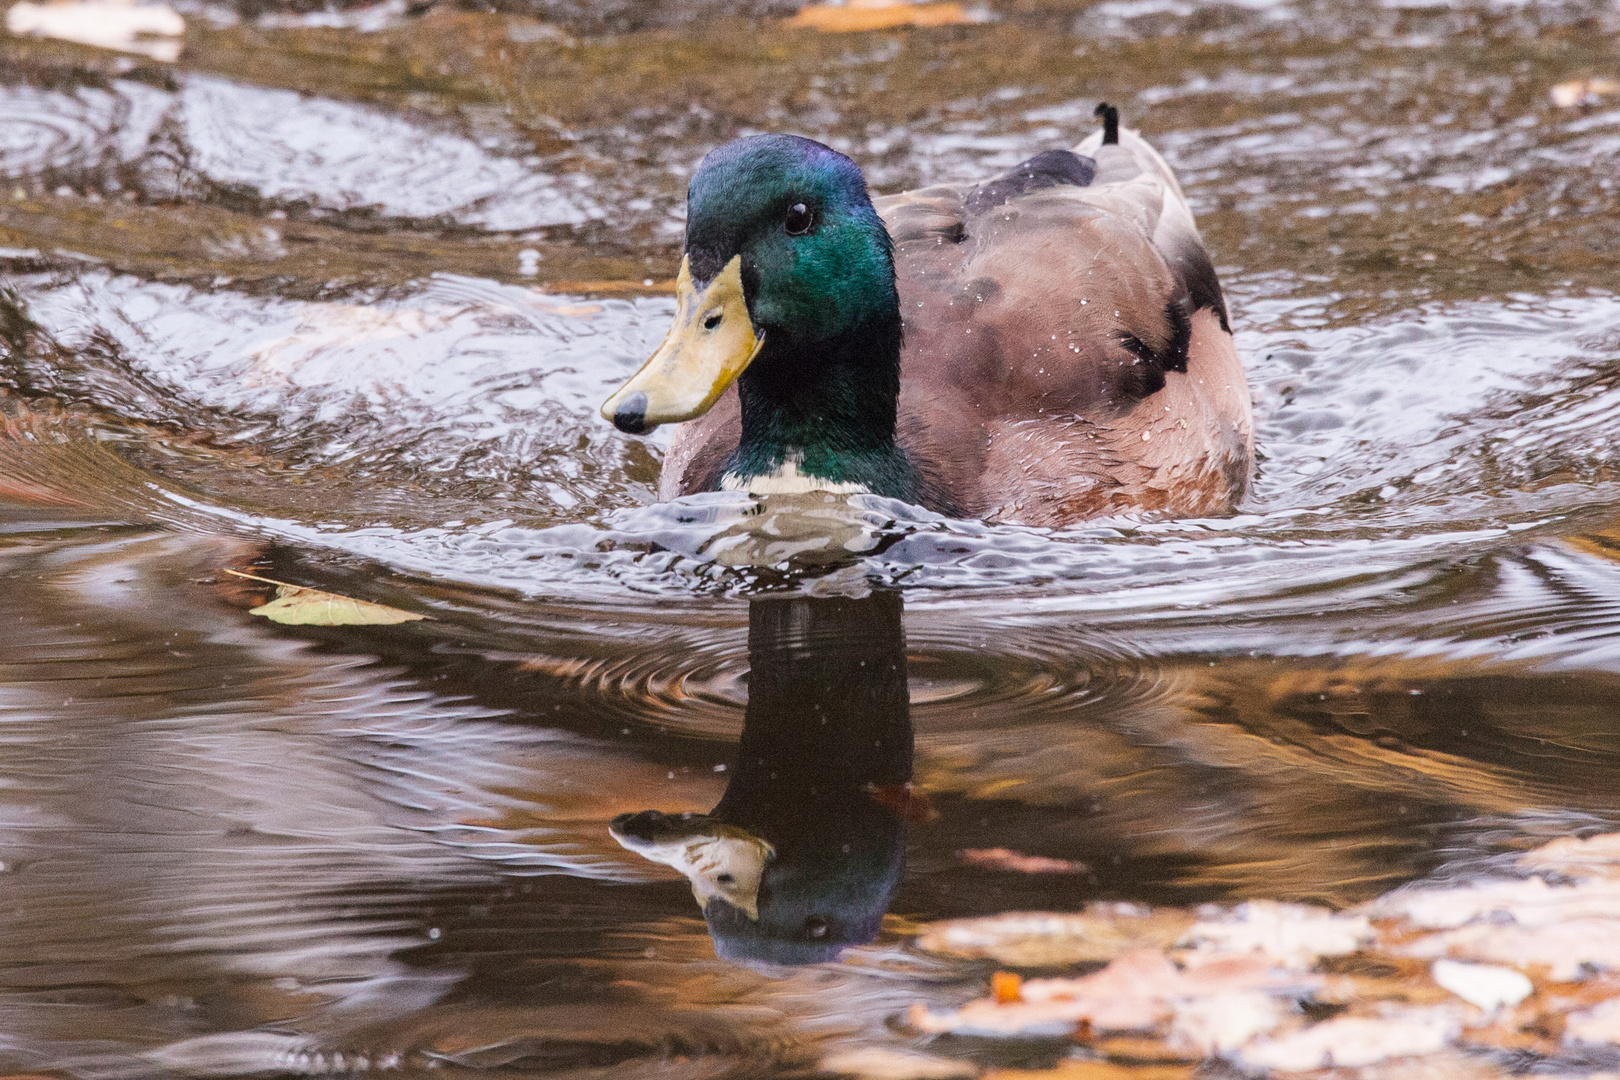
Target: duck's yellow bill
{"type": "Point", "coordinates": [712, 341]}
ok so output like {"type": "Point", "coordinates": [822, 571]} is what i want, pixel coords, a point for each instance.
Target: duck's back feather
{"type": "Point", "coordinates": [1066, 348]}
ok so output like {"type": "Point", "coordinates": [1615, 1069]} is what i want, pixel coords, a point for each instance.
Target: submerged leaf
{"type": "Point", "coordinates": [858, 15]}
{"type": "Point", "coordinates": [1021, 939]}
{"type": "Point", "coordinates": [297, 605]}
{"type": "Point", "coordinates": [1220, 1023]}
{"type": "Point", "coordinates": [1294, 935]}
{"type": "Point", "coordinates": [1073, 1069]}
{"type": "Point", "coordinates": [1577, 857]}
{"type": "Point", "coordinates": [1351, 1041]}
{"type": "Point", "coordinates": [1486, 985]}
{"type": "Point", "coordinates": [1006, 859]}
{"type": "Point", "coordinates": [1531, 902]}
{"type": "Point", "coordinates": [1566, 928]}
{"type": "Point", "coordinates": [1137, 992]}
{"type": "Point", "coordinates": [1566, 950]}
{"type": "Point", "coordinates": [877, 1063]}
{"type": "Point", "coordinates": [1529, 954]}
{"type": "Point", "coordinates": [1596, 1025]}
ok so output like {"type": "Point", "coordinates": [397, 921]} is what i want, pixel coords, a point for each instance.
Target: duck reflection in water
{"type": "Point", "coordinates": [802, 855]}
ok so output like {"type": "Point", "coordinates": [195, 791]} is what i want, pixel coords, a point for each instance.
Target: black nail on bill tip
{"type": "Point", "coordinates": [631, 415]}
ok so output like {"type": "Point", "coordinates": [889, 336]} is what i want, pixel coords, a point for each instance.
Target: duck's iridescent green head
{"type": "Point", "coordinates": [786, 260]}
{"type": "Point", "coordinates": [815, 256]}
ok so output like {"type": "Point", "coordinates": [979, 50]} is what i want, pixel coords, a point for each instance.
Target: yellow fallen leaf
{"type": "Point", "coordinates": [858, 15]}
{"type": "Point", "coordinates": [1568, 95]}
{"type": "Point", "coordinates": [297, 605]}
{"type": "Point", "coordinates": [150, 29]}
{"type": "Point", "coordinates": [667, 286]}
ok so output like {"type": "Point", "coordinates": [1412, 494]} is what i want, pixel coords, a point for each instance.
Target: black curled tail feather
{"type": "Point", "coordinates": [1110, 119]}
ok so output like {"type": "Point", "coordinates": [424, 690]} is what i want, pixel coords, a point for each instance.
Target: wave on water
{"type": "Point", "coordinates": [452, 433]}
{"type": "Point", "coordinates": [209, 136]}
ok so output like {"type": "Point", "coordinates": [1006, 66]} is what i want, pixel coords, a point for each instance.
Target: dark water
{"type": "Point", "coordinates": [335, 300]}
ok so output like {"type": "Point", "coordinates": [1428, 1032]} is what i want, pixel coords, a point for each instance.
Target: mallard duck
{"type": "Point", "coordinates": [1045, 346]}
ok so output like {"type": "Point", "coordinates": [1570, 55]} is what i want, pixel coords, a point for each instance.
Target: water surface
{"type": "Point", "coordinates": [334, 299]}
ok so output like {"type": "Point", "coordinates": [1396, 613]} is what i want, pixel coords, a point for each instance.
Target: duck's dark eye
{"type": "Point", "coordinates": [800, 219]}
{"type": "Point", "coordinates": [725, 879]}
{"type": "Point", "coordinates": [815, 926]}
{"type": "Point", "coordinates": [712, 321]}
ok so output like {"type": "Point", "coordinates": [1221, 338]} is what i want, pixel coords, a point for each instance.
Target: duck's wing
{"type": "Point", "coordinates": [1097, 250]}
{"type": "Point", "coordinates": [1045, 311]}
{"type": "Point", "coordinates": [1132, 177]}
{"type": "Point", "coordinates": [1128, 179]}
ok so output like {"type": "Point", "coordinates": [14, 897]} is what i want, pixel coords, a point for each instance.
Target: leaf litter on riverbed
{"type": "Point", "coordinates": [299, 605]}
{"type": "Point", "coordinates": [1430, 974]}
